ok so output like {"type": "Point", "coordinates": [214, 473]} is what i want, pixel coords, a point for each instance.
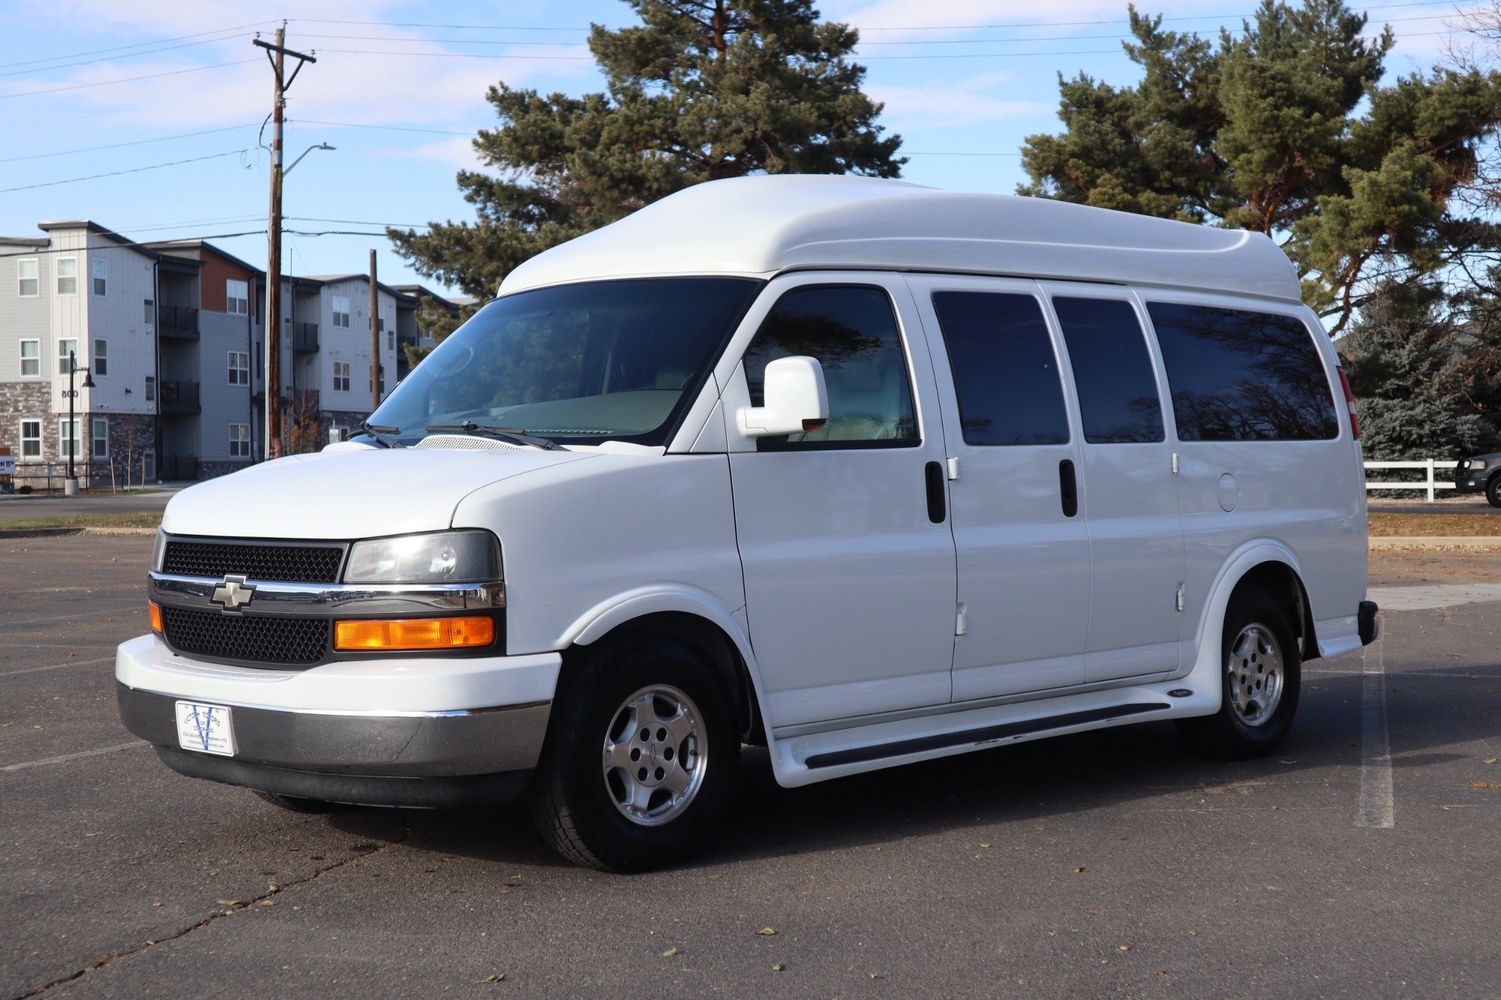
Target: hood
{"type": "Point", "coordinates": [348, 492]}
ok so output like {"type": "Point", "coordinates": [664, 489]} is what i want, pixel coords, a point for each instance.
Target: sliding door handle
{"type": "Point", "coordinates": [1068, 488]}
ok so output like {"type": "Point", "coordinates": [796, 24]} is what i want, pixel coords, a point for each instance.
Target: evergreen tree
{"type": "Point", "coordinates": [1284, 129]}
{"type": "Point", "coordinates": [701, 89]}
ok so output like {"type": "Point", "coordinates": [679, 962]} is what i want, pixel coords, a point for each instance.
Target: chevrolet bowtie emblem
{"type": "Point", "coordinates": [233, 593]}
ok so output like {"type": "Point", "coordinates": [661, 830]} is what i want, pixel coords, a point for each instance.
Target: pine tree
{"type": "Point", "coordinates": [1285, 130]}
{"type": "Point", "coordinates": [701, 89]}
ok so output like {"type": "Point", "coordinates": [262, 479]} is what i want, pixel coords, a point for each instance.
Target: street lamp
{"type": "Point", "coordinates": [70, 485]}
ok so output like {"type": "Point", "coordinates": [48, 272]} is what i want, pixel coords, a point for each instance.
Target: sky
{"type": "Point", "coordinates": [147, 117]}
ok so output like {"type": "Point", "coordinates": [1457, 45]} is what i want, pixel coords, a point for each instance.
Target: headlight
{"type": "Point", "coordinates": [447, 557]}
{"type": "Point", "coordinates": [1476, 464]}
{"type": "Point", "coordinates": [159, 551]}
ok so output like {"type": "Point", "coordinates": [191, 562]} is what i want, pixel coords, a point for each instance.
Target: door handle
{"type": "Point", "coordinates": [1068, 488]}
{"type": "Point", "coordinates": [937, 507]}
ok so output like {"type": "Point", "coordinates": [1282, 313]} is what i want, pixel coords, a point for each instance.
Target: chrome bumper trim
{"type": "Point", "coordinates": [303, 599]}
{"type": "Point", "coordinates": [391, 744]}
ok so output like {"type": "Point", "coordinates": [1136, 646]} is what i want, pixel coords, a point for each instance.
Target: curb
{"type": "Point", "coordinates": [1480, 542]}
{"type": "Point", "coordinates": [61, 532]}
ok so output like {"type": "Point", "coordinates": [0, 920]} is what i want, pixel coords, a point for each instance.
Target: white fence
{"type": "Point", "coordinates": [1428, 484]}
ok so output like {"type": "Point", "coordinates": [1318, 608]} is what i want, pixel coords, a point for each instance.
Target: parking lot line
{"type": "Point", "coordinates": [55, 666]}
{"type": "Point", "coordinates": [1377, 809]}
{"type": "Point", "coordinates": [73, 756]}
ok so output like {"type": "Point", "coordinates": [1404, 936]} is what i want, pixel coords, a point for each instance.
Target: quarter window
{"type": "Point", "coordinates": [1005, 371]}
{"type": "Point", "coordinates": [852, 332]}
{"type": "Point", "coordinates": [1112, 370]}
{"type": "Point", "coordinates": [67, 275]}
{"type": "Point", "coordinates": [1238, 375]}
{"type": "Point", "coordinates": [26, 274]}
{"type": "Point", "coordinates": [31, 439]}
{"type": "Point", "coordinates": [31, 358]}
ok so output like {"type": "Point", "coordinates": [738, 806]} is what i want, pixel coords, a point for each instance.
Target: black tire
{"type": "Point", "coordinates": [1493, 489]}
{"type": "Point", "coordinates": [613, 813]}
{"type": "Point", "coordinates": [1258, 648]}
{"type": "Point", "coordinates": [293, 804]}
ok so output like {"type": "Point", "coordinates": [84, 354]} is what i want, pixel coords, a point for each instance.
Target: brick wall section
{"type": "Point", "coordinates": [212, 470]}
{"type": "Point", "coordinates": [130, 436]}
{"type": "Point", "coordinates": [31, 399]}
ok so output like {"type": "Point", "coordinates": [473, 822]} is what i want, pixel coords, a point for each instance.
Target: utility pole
{"type": "Point", "coordinates": [277, 55]}
{"type": "Point", "coordinates": [374, 340]}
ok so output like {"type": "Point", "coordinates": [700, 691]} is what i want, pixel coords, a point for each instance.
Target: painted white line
{"type": "Point", "coordinates": [56, 666]}
{"type": "Point", "coordinates": [1377, 808]}
{"type": "Point", "coordinates": [88, 614]}
{"type": "Point", "coordinates": [1408, 675]}
{"type": "Point", "coordinates": [72, 756]}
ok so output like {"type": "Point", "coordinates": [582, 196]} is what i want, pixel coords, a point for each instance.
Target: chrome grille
{"type": "Point", "coordinates": [288, 563]}
{"type": "Point", "coordinates": [272, 640]}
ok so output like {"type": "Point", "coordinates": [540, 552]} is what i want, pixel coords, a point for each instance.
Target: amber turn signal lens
{"type": "Point", "coordinates": [415, 633]}
{"type": "Point", "coordinates": [156, 617]}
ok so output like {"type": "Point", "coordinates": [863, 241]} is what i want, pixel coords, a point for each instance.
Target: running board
{"type": "Point", "coordinates": [901, 748]}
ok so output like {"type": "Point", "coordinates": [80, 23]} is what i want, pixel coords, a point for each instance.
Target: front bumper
{"type": "Point", "coordinates": [414, 731]}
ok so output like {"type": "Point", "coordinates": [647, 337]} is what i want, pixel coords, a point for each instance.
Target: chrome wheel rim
{"type": "Point", "coordinates": [655, 755]}
{"type": "Point", "coordinates": [1254, 675]}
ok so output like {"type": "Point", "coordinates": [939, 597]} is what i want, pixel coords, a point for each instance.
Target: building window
{"type": "Point", "coordinates": [101, 356]}
{"type": "Point", "coordinates": [239, 440]}
{"type": "Point", "coordinates": [26, 271]}
{"type": "Point", "coordinates": [31, 439]}
{"type": "Point", "coordinates": [67, 275]}
{"type": "Point", "coordinates": [67, 437]}
{"type": "Point", "coordinates": [239, 367]}
{"type": "Point", "coordinates": [237, 297]}
{"type": "Point", "coordinates": [150, 388]}
{"type": "Point", "coordinates": [341, 376]}
{"type": "Point", "coordinates": [380, 379]}
{"type": "Point", "coordinates": [99, 439]}
{"type": "Point", "coordinates": [150, 313]}
{"type": "Point", "coordinates": [31, 358]}
{"type": "Point", "coordinates": [391, 340]}
{"type": "Point", "coordinates": [65, 347]}
{"type": "Point", "coordinates": [148, 465]}
{"type": "Point", "coordinates": [341, 310]}
{"type": "Point", "coordinates": [100, 268]}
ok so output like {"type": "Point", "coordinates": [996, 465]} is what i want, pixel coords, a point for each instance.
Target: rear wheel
{"type": "Point", "coordinates": [1260, 678]}
{"type": "Point", "coordinates": [641, 757]}
{"type": "Point", "coordinates": [1493, 490]}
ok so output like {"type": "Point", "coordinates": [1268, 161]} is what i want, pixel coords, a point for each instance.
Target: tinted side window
{"type": "Point", "coordinates": [1243, 376]}
{"type": "Point", "coordinates": [1005, 371]}
{"type": "Point", "coordinates": [1112, 370]}
{"type": "Point", "coordinates": [852, 332]}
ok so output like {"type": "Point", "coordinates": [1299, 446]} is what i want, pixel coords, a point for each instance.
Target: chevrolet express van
{"type": "Point", "coordinates": [864, 472]}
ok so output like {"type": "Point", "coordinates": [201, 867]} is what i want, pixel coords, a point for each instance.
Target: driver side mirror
{"type": "Point", "coordinates": [796, 400]}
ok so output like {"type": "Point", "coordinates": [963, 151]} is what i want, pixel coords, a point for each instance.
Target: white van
{"type": "Point", "coordinates": [864, 472]}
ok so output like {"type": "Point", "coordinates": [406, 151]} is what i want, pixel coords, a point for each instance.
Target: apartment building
{"type": "Point", "coordinates": [172, 335]}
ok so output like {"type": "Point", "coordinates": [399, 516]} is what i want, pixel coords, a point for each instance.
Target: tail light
{"type": "Point", "coordinates": [1344, 383]}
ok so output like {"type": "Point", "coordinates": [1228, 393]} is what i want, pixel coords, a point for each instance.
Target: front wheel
{"type": "Point", "coordinates": [641, 757]}
{"type": "Point", "coordinates": [1493, 490]}
{"type": "Point", "coordinates": [1260, 682]}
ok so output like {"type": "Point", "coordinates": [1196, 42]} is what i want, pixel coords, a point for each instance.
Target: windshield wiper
{"type": "Point", "coordinates": [511, 435]}
{"type": "Point", "coordinates": [381, 434]}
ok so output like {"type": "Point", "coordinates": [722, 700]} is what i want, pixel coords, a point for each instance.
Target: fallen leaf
{"type": "Point", "coordinates": [875, 975]}
{"type": "Point", "coordinates": [156, 905]}
{"type": "Point", "coordinates": [1193, 933]}
{"type": "Point", "coordinates": [711, 876]}
{"type": "Point", "coordinates": [1124, 947]}
{"type": "Point", "coordinates": [1080, 870]}
{"type": "Point", "coordinates": [227, 902]}
{"type": "Point", "coordinates": [1490, 760]}
{"type": "Point", "coordinates": [669, 952]}
{"type": "Point", "coordinates": [266, 902]}
{"type": "Point", "coordinates": [1287, 760]}
{"type": "Point", "coordinates": [1483, 784]}
{"type": "Point", "coordinates": [767, 932]}
{"type": "Point", "coordinates": [778, 967]}
{"type": "Point", "coordinates": [984, 845]}
{"type": "Point", "coordinates": [495, 978]}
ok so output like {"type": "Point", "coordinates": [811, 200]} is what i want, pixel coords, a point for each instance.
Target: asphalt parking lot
{"type": "Point", "coordinates": [1361, 861]}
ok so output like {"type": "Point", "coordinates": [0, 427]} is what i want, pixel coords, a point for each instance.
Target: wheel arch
{"type": "Point", "coordinates": [1265, 564]}
{"type": "Point", "coordinates": [688, 616]}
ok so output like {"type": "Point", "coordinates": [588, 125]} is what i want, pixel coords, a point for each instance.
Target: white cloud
{"type": "Point", "coordinates": [947, 102]}
{"type": "Point", "coordinates": [456, 152]}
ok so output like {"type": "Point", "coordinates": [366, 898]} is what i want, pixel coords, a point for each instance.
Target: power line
{"type": "Point", "coordinates": [116, 58]}
{"type": "Point", "coordinates": [130, 170]}
{"type": "Point", "coordinates": [137, 45]}
{"type": "Point", "coordinates": [126, 79]}
{"type": "Point", "coordinates": [381, 128]}
{"type": "Point", "coordinates": [121, 145]}
{"type": "Point", "coordinates": [362, 222]}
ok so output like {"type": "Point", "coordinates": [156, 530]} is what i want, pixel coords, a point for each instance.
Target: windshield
{"type": "Point", "coordinates": [576, 364]}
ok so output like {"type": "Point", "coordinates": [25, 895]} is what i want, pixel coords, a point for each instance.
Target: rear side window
{"type": "Point", "coordinates": [1112, 370]}
{"type": "Point", "coordinates": [1238, 375]}
{"type": "Point", "coordinates": [852, 332]}
{"type": "Point", "coordinates": [1005, 371]}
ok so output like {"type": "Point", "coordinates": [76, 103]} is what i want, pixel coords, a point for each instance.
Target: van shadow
{"type": "Point", "coordinates": [1022, 783]}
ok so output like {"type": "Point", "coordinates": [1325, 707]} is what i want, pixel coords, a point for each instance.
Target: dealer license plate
{"type": "Point", "coordinates": [205, 728]}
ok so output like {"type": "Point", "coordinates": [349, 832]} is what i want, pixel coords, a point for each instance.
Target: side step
{"type": "Point", "coordinates": [901, 748]}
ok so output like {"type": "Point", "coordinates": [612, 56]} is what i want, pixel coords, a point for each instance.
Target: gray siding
{"type": "Point", "coordinates": [223, 404]}
{"type": "Point", "coordinates": [24, 318]}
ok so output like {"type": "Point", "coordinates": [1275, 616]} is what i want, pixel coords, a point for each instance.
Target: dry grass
{"type": "Point", "coordinates": [1436, 525]}
{"type": "Point", "coordinates": [136, 519]}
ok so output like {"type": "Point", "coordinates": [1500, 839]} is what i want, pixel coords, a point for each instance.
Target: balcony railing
{"type": "Point", "coordinates": [180, 322]}
{"type": "Point", "coordinates": [305, 338]}
{"type": "Point", "coordinates": [179, 398]}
